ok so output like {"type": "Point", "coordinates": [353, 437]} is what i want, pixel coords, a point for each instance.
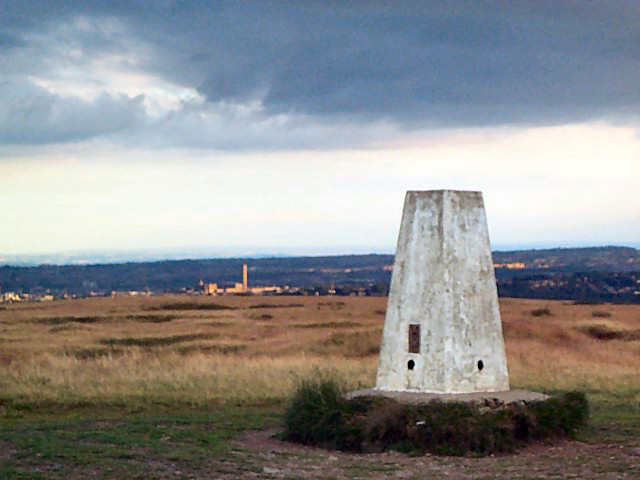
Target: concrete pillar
{"type": "Point", "coordinates": [442, 331]}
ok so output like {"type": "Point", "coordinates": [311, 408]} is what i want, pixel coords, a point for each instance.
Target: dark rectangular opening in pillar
{"type": "Point", "coordinates": [414, 338]}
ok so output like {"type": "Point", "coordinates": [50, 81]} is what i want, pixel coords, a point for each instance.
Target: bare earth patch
{"type": "Point", "coordinates": [564, 459]}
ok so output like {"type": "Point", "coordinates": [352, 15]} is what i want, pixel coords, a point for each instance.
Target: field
{"type": "Point", "coordinates": [193, 387]}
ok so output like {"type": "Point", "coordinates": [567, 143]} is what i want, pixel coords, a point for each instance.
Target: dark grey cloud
{"type": "Point", "coordinates": [413, 64]}
{"type": "Point", "coordinates": [31, 115]}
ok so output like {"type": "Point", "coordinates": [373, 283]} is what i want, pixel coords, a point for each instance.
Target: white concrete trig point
{"type": "Point", "coordinates": [442, 334]}
{"type": "Point", "coordinates": [442, 331]}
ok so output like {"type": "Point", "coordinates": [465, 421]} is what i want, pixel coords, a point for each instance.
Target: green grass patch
{"type": "Point", "coordinates": [320, 415]}
{"type": "Point", "coordinates": [615, 418]}
{"type": "Point", "coordinates": [134, 446]}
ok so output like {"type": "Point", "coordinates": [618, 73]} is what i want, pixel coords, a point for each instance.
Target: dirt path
{"type": "Point", "coordinates": [272, 458]}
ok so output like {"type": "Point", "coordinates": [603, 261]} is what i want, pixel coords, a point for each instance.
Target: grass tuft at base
{"type": "Point", "coordinates": [320, 415]}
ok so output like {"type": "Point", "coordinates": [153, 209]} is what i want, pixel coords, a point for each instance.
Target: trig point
{"type": "Point", "coordinates": [442, 332]}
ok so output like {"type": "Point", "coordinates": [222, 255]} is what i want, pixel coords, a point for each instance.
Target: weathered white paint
{"type": "Point", "coordinates": [443, 279]}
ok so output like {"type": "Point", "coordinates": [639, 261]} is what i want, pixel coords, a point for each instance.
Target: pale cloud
{"type": "Point", "coordinates": [571, 185]}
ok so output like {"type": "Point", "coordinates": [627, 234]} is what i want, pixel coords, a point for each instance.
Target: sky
{"type": "Point", "coordinates": [278, 126]}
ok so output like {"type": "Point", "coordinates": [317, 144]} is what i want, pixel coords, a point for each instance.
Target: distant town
{"type": "Point", "coordinates": [604, 274]}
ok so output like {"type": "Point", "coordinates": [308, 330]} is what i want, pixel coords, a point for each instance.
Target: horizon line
{"type": "Point", "coordinates": [74, 257]}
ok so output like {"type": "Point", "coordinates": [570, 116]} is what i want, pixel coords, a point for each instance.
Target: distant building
{"type": "Point", "coordinates": [10, 297]}
{"type": "Point", "coordinates": [240, 288]}
{"type": "Point", "coordinates": [245, 277]}
{"type": "Point", "coordinates": [510, 266]}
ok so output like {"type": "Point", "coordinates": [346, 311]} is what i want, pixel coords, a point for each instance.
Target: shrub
{"type": "Point", "coordinates": [558, 415]}
{"type": "Point", "coordinates": [601, 314]}
{"type": "Point", "coordinates": [541, 312]}
{"type": "Point", "coordinates": [320, 415]}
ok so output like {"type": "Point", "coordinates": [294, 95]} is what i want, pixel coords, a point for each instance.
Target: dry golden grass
{"type": "Point", "coordinates": [175, 349]}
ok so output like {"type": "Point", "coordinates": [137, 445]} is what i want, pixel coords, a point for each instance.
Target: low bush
{"type": "Point", "coordinates": [320, 415]}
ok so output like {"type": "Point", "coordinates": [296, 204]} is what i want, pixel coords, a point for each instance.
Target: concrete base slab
{"type": "Point", "coordinates": [485, 398]}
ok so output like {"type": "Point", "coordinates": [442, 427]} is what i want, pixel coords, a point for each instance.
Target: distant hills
{"type": "Point", "coordinates": [157, 255]}
{"type": "Point", "coordinates": [584, 274]}
{"type": "Point", "coordinates": [612, 259]}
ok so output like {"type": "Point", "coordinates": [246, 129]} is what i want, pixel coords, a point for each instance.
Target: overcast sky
{"type": "Point", "coordinates": [174, 124]}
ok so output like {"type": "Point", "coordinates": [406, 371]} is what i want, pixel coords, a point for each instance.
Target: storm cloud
{"type": "Point", "coordinates": [252, 75]}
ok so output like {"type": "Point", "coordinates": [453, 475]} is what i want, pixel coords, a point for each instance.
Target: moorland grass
{"type": "Point", "coordinates": [226, 356]}
{"type": "Point", "coordinates": [171, 408]}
